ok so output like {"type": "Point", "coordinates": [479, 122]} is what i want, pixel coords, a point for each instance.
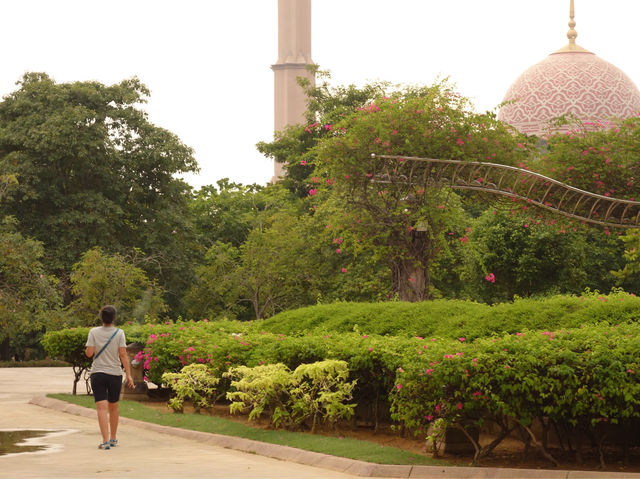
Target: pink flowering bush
{"type": "Point", "coordinates": [389, 204]}
{"type": "Point", "coordinates": [596, 157]}
{"type": "Point", "coordinates": [575, 379]}
{"type": "Point", "coordinates": [565, 362]}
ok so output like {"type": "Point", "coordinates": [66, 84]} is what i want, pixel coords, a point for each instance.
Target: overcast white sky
{"type": "Point", "coordinates": [207, 62]}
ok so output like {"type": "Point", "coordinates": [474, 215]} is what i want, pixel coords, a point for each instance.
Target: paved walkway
{"type": "Point", "coordinates": [160, 452]}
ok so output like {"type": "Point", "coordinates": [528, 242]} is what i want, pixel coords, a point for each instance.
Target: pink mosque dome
{"type": "Point", "coordinates": [572, 81]}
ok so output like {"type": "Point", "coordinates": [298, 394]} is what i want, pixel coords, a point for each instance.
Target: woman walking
{"type": "Point", "coordinates": [107, 346]}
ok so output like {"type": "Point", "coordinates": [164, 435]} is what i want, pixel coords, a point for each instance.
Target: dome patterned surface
{"type": "Point", "coordinates": [579, 83]}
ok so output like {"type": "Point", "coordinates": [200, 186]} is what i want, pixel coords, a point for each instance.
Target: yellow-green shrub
{"type": "Point", "coordinates": [312, 392]}
{"type": "Point", "coordinates": [195, 382]}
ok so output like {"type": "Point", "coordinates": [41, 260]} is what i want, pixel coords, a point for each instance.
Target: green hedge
{"type": "Point", "coordinates": [581, 380]}
{"type": "Point", "coordinates": [35, 363]}
{"type": "Point", "coordinates": [69, 345]}
{"type": "Point", "coordinates": [454, 318]}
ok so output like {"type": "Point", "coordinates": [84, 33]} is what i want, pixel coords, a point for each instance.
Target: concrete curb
{"type": "Point", "coordinates": [340, 464]}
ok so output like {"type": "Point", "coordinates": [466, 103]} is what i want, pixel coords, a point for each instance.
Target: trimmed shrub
{"type": "Point", "coordinates": [453, 318]}
{"type": "Point", "coordinates": [571, 362]}
{"type": "Point", "coordinates": [576, 379]}
{"type": "Point", "coordinates": [69, 345]}
{"type": "Point", "coordinates": [310, 394]}
{"type": "Point", "coordinates": [194, 382]}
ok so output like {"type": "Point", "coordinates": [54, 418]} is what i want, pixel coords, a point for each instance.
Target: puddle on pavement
{"type": "Point", "coordinates": [20, 441]}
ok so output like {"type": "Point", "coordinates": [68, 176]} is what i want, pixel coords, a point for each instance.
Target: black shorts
{"type": "Point", "coordinates": [106, 387]}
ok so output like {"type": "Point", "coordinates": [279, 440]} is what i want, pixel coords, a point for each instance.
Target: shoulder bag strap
{"type": "Point", "coordinates": [106, 344]}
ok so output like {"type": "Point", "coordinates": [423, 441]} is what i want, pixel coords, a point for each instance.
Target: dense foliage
{"type": "Point", "coordinates": [312, 393]}
{"type": "Point", "coordinates": [577, 379]}
{"type": "Point", "coordinates": [395, 211]}
{"type": "Point", "coordinates": [99, 279]}
{"type": "Point", "coordinates": [570, 362]}
{"type": "Point", "coordinates": [597, 157]}
{"type": "Point", "coordinates": [27, 292]}
{"type": "Point", "coordinates": [69, 345]}
{"type": "Point", "coordinates": [92, 170]}
{"type": "Point", "coordinates": [454, 318]}
{"type": "Point", "coordinates": [195, 383]}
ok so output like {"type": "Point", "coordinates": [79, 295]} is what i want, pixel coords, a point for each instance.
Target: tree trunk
{"type": "Point", "coordinates": [5, 350]}
{"type": "Point", "coordinates": [411, 281]}
{"type": "Point", "coordinates": [410, 272]}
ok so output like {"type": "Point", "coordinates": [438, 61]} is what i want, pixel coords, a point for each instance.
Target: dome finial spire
{"type": "Point", "coordinates": [572, 47]}
{"type": "Point", "coordinates": [572, 34]}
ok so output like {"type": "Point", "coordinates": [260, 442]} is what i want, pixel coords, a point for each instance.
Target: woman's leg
{"type": "Point", "coordinates": [99, 387]}
{"type": "Point", "coordinates": [114, 417]}
{"type": "Point", "coordinates": [103, 420]}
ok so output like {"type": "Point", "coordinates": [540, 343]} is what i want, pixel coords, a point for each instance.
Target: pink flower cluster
{"type": "Point", "coordinates": [146, 356]}
{"type": "Point", "coordinates": [154, 337]}
{"type": "Point", "coordinates": [452, 356]}
{"type": "Point", "coordinates": [548, 333]}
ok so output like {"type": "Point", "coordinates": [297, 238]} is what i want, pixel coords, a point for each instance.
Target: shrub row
{"type": "Point", "coordinates": [578, 380]}
{"type": "Point", "coordinates": [372, 359]}
{"type": "Point", "coordinates": [454, 318]}
{"type": "Point", "coordinates": [579, 376]}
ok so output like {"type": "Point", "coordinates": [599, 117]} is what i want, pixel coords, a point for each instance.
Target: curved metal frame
{"type": "Point", "coordinates": [534, 188]}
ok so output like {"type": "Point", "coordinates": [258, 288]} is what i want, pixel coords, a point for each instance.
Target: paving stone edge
{"type": "Point", "coordinates": [341, 464]}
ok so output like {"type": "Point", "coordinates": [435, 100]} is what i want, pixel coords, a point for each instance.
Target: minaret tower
{"type": "Point", "coordinates": [294, 54]}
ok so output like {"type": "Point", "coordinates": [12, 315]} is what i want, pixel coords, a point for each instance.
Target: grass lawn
{"type": "Point", "coordinates": [336, 446]}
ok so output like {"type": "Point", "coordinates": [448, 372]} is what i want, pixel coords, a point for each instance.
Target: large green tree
{"type": "Point", "coordinates": [394, 206]}
{"type": "Point", "coordinates": [27, 293]}
{"type": "Point", "coordinates": [389, 221]}
{"type": "Point", "coordinates": [270, 272]}
{"type": "Point", "coordinates": [229, 211]}
{"type": "Point", "coordinates": [92, 170]}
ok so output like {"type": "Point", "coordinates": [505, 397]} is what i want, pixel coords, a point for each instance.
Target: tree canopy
{"type": "Point", "coordinates": [92, 170]}
{"type": "Point", "coordinates": [397, 210]}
